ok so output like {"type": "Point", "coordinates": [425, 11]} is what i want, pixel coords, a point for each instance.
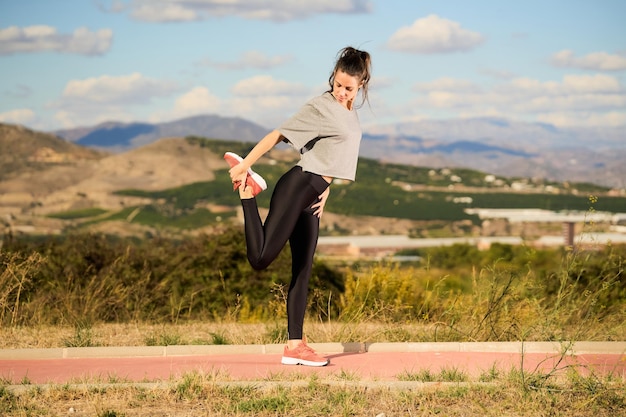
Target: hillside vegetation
{"type": "Point", "coordinates": [180, 186]}
{"type": "Point", "coordinates": [381, 190]}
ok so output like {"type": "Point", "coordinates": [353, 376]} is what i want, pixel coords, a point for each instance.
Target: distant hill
{"type": "Point", "coordinates": [183, 184]}
{"type": "Point", "coordinates": [416, 144]}
{"type": "Point", "coordinates": [84, 183]}
{"type": "Point", "coordinates": [495, 145]}
{"type": "Point", "coordinates": [466, 146]}
{"type": "Point", "coordinates": [124, 136]}
{"type": "Point", "coordinates": [25, 149]}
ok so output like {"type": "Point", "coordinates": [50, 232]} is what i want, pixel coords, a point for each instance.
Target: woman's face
{"type": "Point", "coordinates": [345, 88]}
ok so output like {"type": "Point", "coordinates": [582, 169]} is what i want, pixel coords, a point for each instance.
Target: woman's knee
{"type": "Point", "coordinates": [259, 263]}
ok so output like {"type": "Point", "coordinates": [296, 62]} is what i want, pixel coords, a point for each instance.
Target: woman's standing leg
{"type": "Point", "coordinates": [303, 241]}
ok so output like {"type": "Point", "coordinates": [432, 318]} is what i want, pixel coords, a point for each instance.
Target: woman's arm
{"type": "Point", "coordinates": [239, 172]}
{"type": "Point", "coordinates": [265, 145]}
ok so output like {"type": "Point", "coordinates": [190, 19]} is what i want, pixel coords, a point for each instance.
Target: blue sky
{"type": "Point", "coordinates": [71, 63]}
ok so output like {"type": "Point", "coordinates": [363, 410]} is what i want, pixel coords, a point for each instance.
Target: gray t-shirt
{"type": "Point", "coordinates": [327, 135]}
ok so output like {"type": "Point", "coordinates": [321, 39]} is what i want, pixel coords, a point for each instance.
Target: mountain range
{"type": "Point", "coordinates": [494, 145]}
{"type": "Point", "coordinates": [119, 137]}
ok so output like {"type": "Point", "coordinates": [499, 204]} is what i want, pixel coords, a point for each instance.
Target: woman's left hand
{"type": "Point", "coordinates": [238, 174]}
{"type": "Point", "coordinates": [319, 206]}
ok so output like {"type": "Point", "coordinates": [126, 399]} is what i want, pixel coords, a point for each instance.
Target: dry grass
{"type": "Point", "coordinates": [142, 334]}
{"type": "Point", "coordinates": [342, 394]}
{"type": "Point", "coordinates": [211, 333]}
{"type": "Point", "coordinates": [197, 394]}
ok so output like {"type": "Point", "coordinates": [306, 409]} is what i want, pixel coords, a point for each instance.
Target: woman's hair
{"type": "Point", "coordinates": [355, 63]}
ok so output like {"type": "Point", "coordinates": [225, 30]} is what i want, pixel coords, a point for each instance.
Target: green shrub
{"type": "Point", "coordinates": [78, 214]}
{"type": "Point", "coordinates": [95, 278]}
{"type": "Point", "coordinates": [456, 293]}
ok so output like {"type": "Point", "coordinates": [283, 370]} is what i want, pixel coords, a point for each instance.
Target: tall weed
{"type": "Point", "coordinates": [16, 276]}
{"type": "Point", "coordinates": [509, 299]}
{"type": "Point", "coordinates": [457, 294]}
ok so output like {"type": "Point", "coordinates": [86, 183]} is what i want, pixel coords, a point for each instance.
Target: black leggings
{"type": "Point", "coordinates": [290, 218]}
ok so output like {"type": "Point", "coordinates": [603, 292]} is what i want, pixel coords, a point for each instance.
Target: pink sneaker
{"type": "Point", "coordinates": [253, 179]}
{"type": "Point", "coordinates": [302, 355]}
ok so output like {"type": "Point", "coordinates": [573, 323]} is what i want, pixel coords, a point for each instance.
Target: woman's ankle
{"type": "Point", "coordinates": [245, 192]}
{"type": "Point", "coordinates": [293, 343]}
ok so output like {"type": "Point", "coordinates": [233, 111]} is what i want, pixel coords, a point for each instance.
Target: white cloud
{"type": "Point", "coordinates": [198, 100]}
{"type": "Point", "coordinates": [163, 11]}
{"type": "Point", "coordinates": [597, 61]}
{"type": "Point", "coordinates": [598, 83]}
{"type": "Point", "coordinates": [265, 85]}
{"type": "Point", "coordinates": [571, 84]}
{"type": "Point", "coordinates": [447, 84]}
{"type": "Point", "coordinates": [277, 10]}
{"type": "Point", "coordinates": [250, 59]}
{"type": "Point", "coordinates": [116, 6]}
{"type": "Point", "coordinates": [378, 82]}
{"type": "Point", "coordinates": [265, 104]}
{"type": "Point", "coordinates": [497, 74]}
{"type": "Point", "coordinates": [576, 100]}
{"type": "Point", "coordinates": [98, 99]}
{"type": "Point", "coordinates": [126, 89]}
{"type": "Point", "coordinates": [433, 34]}
{"type": "Point", "coordinates": [17, 116]}
{"type": "Point", "coordinates": [46, 38]}
{"type": "Point", "coordinates": [268, 111]}
{"type": "Point", "coordinates": [267, 101]}
{"type": "Point", "coordinates": [76, 117]}
{"type": "Point", "coordinates": [585, 119]}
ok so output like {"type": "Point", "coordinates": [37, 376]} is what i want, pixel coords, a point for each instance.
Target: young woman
{"type": "Point", "coordinates": [327, 133]}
